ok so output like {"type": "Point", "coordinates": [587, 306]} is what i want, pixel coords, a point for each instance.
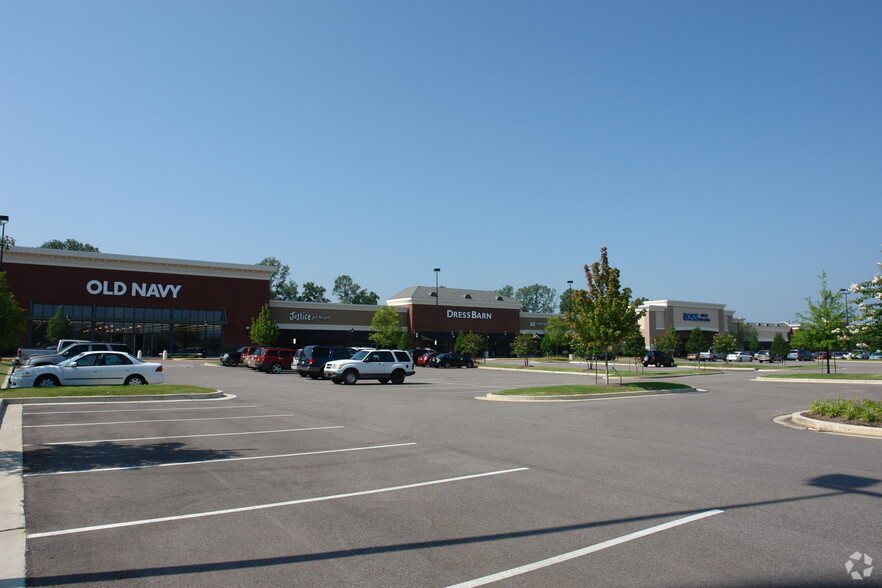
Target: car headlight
{"type": "Point", "coordinates": [22, 374]}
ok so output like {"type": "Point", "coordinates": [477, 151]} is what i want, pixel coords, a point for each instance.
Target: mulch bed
{"type": "Point", "coordinates": [842, 420]}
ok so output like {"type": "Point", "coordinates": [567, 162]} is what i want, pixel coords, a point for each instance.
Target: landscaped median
{"type": "Point", "coordinates": [841, 415]}
{"type": "Point", "coordinates": [574, 392]}
{"type": "Point", "coordinates": [61, 393]}
{"type": "Point", "coordinates": [831, 378]}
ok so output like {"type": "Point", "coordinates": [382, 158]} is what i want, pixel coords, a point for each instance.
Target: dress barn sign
{"type": "Point", "coordinates": [137, 289]}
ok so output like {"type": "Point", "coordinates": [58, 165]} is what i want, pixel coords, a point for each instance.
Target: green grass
{"type": "Point", "coordinates": [859, 410]}
{"type": "Point", "coordinates": [578, 390]}
{"type": "Point", "coordinates": [817, 376]}
{"type": "Point", "coordinates": [612, 372]}
{"type": "Point", "coordinates": [102, 391]}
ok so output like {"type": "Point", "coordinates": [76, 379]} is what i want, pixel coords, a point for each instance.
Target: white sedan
{"type": "Point", "coordinates": [92, 368]}
{"type": "Point", "coordinates": [739, 356]}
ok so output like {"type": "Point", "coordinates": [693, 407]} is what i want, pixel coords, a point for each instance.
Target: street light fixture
{"type": "Point", "coordinates": [437, 270]}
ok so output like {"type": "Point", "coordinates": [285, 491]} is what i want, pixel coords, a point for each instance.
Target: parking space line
{"type": "Point", "coordinates": [585, 551]}
{"type": "Point", "coordinates": [272, 505]}
{"type": "Point", "coordinates": [261, 416]}
{"type": "Point", "coordinates": [37, 412]}
{"type": "Point", "coordinates": [182, 436]}
{"type": "Point", "coordinates": [226, 459]}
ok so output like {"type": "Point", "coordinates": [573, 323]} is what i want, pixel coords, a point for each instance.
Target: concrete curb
{"type": "Point", "coordinates": [107, 399]}
{"type": "Point", "coordinates": [13, 539]}
{"type": "Point", "coordinates": [831, 427]}
{"type": "Point", "coordinates": [578, 397]}
{"type": "Point", "coordinates": [819, 381]}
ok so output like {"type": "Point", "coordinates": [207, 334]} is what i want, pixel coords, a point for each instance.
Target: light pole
{"type": "Point", "coordinates": [570, 299]}
{"type": "Point", "coordinates": [845, 291]}
{"type": "Point", "coordinates": [437, 270]}
{"type": "Point", "coordinates": [3, 220]}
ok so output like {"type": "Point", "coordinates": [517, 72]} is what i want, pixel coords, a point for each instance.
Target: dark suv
{"type": "Point", "coordinates": [314, 357]}
{"type": "Point", "coordinates": [274, 360]}
{"type": "Point", "coordinates": [658, 359]}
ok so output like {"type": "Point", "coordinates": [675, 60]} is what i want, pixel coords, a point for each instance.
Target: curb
{"type": "Point", "coordinates": [106, 399]}
{"type": "Point", "coordinates": [831, 427]}
{"type": "Point", "coordinates": [819, 381]}
{"type": "Point", "coordinates": [578, 397]}
{"type": "Point", "coordinates": [12, 521]}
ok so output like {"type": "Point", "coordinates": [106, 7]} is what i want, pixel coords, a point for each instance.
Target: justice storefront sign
{"type": "Point", "coordinates": [136, 289]}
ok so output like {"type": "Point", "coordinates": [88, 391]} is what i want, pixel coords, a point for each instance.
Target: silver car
{"type": "Point", "coordinates": [93, 368]}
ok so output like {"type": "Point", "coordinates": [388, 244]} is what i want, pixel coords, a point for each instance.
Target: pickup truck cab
{"type": "Point", "coordinates": [385, 365]}
{"type": "Point", "coordinates": [23, 355]}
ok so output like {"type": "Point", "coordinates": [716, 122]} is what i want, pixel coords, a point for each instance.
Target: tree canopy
{"type": "Point", "coordinates": [281, 288]}
{"type": "Point", "coordinates": [13, 319]}
{"type": "Point", "coordinates": [264, 330]}
{"type": "Point", "coordinates": [821, 324]}
{"type": "Point", "coordinates": [386, 328]}
{"type": "Point", "coordinates": [69, 245]}
{"type": "Point", "coordinates": [348, 292]}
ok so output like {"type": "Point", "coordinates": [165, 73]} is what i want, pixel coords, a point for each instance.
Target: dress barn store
{"type": "Point", "coordinates": [150, 304]}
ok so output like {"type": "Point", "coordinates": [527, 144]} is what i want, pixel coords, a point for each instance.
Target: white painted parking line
{"type": "Point", "coordinates": [262, 416]}
{"type": "Point", "coordinates": [176, 409]}
{"type": "Point", "coordinates": [271, 505]}
{"type": "Point", "coordinates": [226, 459]}
{"type": "Point", "coordinates": [182, 436]}
{"type": "Point", "coordinates": [585, 551]}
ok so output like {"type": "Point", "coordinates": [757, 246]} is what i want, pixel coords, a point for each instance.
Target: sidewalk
{"type": "Point", "coordinates": [12, 522]}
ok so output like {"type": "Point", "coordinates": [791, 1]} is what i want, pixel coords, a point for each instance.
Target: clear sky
{"type": "Point", "coordinates": [724, 152]}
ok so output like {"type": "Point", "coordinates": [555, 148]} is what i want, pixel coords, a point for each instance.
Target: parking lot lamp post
{"type": "Point", "coordinates": [437, 270]}
{"type": "Point", "coordinates": [3, 220]}
{"type": "Point", "coordinates": [845, 291]}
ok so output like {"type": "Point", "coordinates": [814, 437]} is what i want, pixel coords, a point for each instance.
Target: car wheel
{"type": "Point", "coordinates": [383, 380]}
{"type": "Point", "coordinates": [46, 382]}
{"type": "Point", "coordinates": [337, 380]}
{"type": "Point", "coordinates": [136, 380]}
{"type": "Point", "coordinates": [446, 365]}
{"type": "Point", "coordinates": [302, 375]}
{"type": "Point", "coordinates": [397, 377]}
{"type": "Point", "coordinates": [313, 376]}
{"type": "Point", "coordinates": [276, 368]}
{"type": "Point", "coordinates": [350, 377]}
{"type": "Point", "coordinates": [658, 364]}
{"type": "Point", "coordinates": [471, 364]}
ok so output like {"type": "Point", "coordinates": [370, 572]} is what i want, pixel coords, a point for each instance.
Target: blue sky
{"type": "Point", "coordinates": [724, 152]}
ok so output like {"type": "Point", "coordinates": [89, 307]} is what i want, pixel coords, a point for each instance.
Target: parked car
{"type": "Point", "coordinates": [711, 355]}
{"type": "Point", "coordinates": [448, 360]}
{"type": "Point", "coordinates": [765, 355]}
{"type": "Point", "coordinates": [658, 359]}
{"type": "Point", "coordinates": [314, 357]}
{"type": "Point", "coordinates": [837, 355]}
{"type": "Point", "coordinates": [385, 365]}
{"type": "Point", "coordinates": [800, 355]}
{"type": "Point", "coordinates": [417, 353]}
{"type": "Point", "coordinates": [423, 360]}
{"type": "Point", "coordinates": [876, 355]}
{"type": "Point", "coordinates": [75, 349]}
{"type": "Point", "coordinates": [92, 368]}
{"type": "Point", "coordinates": [857, 354]}
{"type": "Point", "coordinates": [234, 358]}
{"type": "Point", "coordinates": [819, 355]}
{"type": "Point", "coordinates": [739, 356]}
{"type": "Point", "coordinates": [274, 360]}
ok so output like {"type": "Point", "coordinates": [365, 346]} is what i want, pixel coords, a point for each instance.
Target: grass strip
{"type": "Point", "coordinates": [579, 390]}
{"type": "Point", "coordinates": [103, 391]}
{"type": "Point", "coordinates": [857, 411]}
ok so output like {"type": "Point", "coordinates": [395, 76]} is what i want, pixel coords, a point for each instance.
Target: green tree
{"type": "Point", "coordinates": [554, 335]}
{"type": "Point", "coordinates": [744, 333]}
{"type": "Point", "coordinates": [58, 326]}
{"type": "Point", "coordinates": [507, 291]}
{"type": "Point", "coordinates": [524, 346]}
{"type": "Point", "coordinates": [313, 293]}
{"type": "Point", "coordinates": [69, 245]}
{"type": "Point", "coordinates": [824, 319]}
{"type": "Point", "coordinates": [696, 341]}
{"type": "Point", "coordinates": [866, 327]}
{"type": "Point", "coordinates": [635, 348]}
{"type": "Point", "coordinates": [725, 343]}
{"type": "Point", "coordinates": [780, 346]}
{"type": "Point", "coordinates": [6, 242]}
{"type": "Point", "coordinates": [669, 341]}
{"type": "Point", "coordinates": [348, 292]}
{"type": "Point", "coordinates": [603, 316]}
{"type": "Point", "coordinates": [13, 319]}
{"type": "Point", "coordinates": [281, 288]}
{"type": "Point", "coordinates": [264, 330]}
{"type": "Point", "coordinates": [536, 298]}
{"type": "Point", "coordinates": [566, 301]}
{"type": "Point", "coordinates": [471, 344]}
{"type": "Point", "coordinates": [386, 328]}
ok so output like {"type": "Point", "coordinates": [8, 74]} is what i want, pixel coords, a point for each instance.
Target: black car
{"type": "Point", "coordinates": [658, 359]}
{"type": "Point", "coordinates": [447, 360]}
{"type": "Point", "coordinates": [313, 358]}
{"type": "Point", "coordinates": [233, 358]}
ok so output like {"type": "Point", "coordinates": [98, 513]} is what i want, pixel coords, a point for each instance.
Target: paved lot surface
{"type": "Point", "coordinates": [301, 482]}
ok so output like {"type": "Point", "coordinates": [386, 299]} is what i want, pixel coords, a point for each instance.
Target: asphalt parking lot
{"type": "Point", "coordinates": [301, 482]}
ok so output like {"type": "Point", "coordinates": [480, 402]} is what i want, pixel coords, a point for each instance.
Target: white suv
{"type": "Point", "coordinates": [385, 365]}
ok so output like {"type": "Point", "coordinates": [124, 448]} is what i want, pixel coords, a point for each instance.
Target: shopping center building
{"type": "Point", "coordinates": [180, 306]}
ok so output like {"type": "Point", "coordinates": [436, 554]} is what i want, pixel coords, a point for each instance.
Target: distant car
{"type": "Point", "coordinates": [739, 356]}
{"type": "Point", "coordinates": [385, 365]}
{"type": "Point", "coordinates": [800, 355]}
{"type": "Point", "coordinates": [423, 360]}
{"type": "Point", "coordinates": [234, 358]}
{"type": "Point", "coordinates": [93, 368]}
{"type": "Point", "coordinates": [448, 360]}
{"type": "Point", "coordinates": [876, 355]}
{"type": "Point", "coordinates": [837, 355]}
{"type": "Point", "coordinates": [765, 355]}
{"type": "Point", "coordinates": [711, 355]}
{"type": "Point", "coordinates": [857, 354]}
{"type": "Point", "coordinates": [314, 357]}
{"type": "Point", "coordinates": [658, 359]}
{"type": "Point", "coordinates": [819, 355]}
{"type": "Point", "coordinates": [274, 360]}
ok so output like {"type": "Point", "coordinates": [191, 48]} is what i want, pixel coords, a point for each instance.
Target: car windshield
{"type": "Point", "coordinates": [360, 355]}
{"type": "Point", "coordinates": [70, 360]}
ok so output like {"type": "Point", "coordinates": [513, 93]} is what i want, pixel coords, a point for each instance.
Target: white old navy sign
{"type": "Point", "coordinates": [142, 289]}
{"type": "Point", "coordinates": [469, 314]}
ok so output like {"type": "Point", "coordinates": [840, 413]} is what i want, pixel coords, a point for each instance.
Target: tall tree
{"type": "Point", "coordinates": [725, 343]}
{"type": "Point", "coordinates": [669, 341]}
{"type": "Point", "coordinates": [823, 320]}
{"type": "Point", "coordinates": [313, 293]}
{"type": "Point", "coordinates": [264, 330]}
{"type": "Point", "coordinates": [386, 328]}
{"type": "Point", "coordinates": [566, 301]}
{"type": "Point", "coordinates": [13, 319]}
{"type": "Point", "coordinates": [536, 298]}
{"type": "Point", "coordinates": [780, 347]}
{"type": "Point", "coordinates": [696, 342]}
{"type": "Point", "coordinates": [348, 292]}
{"type": "Point", "coordinates": [58, 326]}
{"type": "Point", "coordinates": [603, 316]}
{"type": "Point", "coordinates": [69, 245]}
{"type": "Point", "coordinates": [554, 335]}
{"type": "Point", "coordinates": [866, 326]}
{"type": "Point", "coordinates": [281, 288]}
{"type": "Point", "coordinates": [470, 344]}
{"type": "Point", "coordinates": [524, 345]}
{"type": "Point", "coordinates": [507, 291]}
